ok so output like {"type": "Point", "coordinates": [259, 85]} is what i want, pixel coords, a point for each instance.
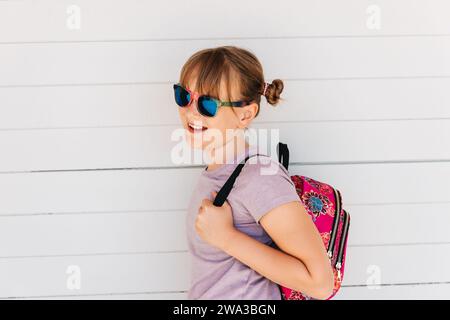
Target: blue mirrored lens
{"type": "Point", "coordinates": [207, 106]}
{"type": "Point", "coordinates": [182, 97]}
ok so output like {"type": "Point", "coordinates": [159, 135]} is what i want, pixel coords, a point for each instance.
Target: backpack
{"type": "Point", "coordinates": [324, 204]}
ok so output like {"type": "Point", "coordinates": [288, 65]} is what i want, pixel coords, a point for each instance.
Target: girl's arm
{"type": "Point", "coordinates": [303, 265]}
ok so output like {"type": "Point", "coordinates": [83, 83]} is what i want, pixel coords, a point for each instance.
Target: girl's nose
{"type": "Point", "coordinates": [192, 108]}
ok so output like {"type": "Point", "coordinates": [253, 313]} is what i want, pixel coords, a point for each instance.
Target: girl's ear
{"type": "Point", "coordinates": [245, 118]}
{"type": "Point", "coordinates": [246, 115]}
{"type": "Point", "coordinates": [249, 112]}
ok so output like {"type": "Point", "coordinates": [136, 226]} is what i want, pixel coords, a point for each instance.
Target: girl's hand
{"type": "Point", "coordinates": [215, 224]}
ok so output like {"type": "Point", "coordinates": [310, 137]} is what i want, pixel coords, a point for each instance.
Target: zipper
{"type": "Point", "coordinates": [342, 241]}
{"type": "Point", "coordinates": [337, 213]}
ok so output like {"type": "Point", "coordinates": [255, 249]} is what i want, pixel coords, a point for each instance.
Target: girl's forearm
{"type": "Point", "coordinates": [275, 265]}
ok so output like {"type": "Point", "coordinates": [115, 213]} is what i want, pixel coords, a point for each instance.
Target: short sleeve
{"type": "Point", "coordinates": [263, 185]}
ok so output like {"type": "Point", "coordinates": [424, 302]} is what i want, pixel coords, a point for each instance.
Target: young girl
{"type": "Point", "coordinates": [232, 248]}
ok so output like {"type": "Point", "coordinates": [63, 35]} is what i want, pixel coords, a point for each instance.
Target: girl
{"type": "Point", "coordinates": [233, 248]}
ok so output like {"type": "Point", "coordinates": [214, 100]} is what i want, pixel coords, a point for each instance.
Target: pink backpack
{"type": "Point", "coordinates": [324, 204]}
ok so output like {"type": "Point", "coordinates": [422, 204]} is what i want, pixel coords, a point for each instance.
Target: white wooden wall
{"type": "Point", "coordinates": [86, 114]}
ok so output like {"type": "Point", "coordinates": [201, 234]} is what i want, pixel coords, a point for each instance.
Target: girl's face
{"type": "Point", "coordinates": [219, 130]}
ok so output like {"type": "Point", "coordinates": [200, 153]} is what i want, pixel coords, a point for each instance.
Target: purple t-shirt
{"type": "Point", "coordinates": [262, 185]}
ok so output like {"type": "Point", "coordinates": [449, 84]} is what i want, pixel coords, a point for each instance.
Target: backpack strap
{"type": "Point", "coordinates": [283, 154]}
{"type": "Point", "coordinates": [226, 188]}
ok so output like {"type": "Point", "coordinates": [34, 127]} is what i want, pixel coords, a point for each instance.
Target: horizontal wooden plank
{"type": "Point", "coordinates": [116, 296]}
{"type": "Point", "coordinates": [121, 191]}
{"type": "Point", "coordinates": [389, 292]}
{"type": "Point", "coordinates": [105, 274]}
{"type": "Point", "coordinates": [131, 232]}
{"type": "Point", "coordinates": [397, 264]}
{"type": "Point", "coordinates": [143, 61]}
{"type": "Point", "coordinates": [439, 291]}
{"type": "Point", "coordinates": [131, 147]}
{"type": "Point", "coordinates": [88, 106]}
{"type": "Point", "coordinates": [126, 273]}
{"type": "Point", "coordinates": [367, 99]}
{"type": "Point", "coordinates": [96, 191]}
{"type": "Point", "coordinates": [134, 19]}
{"type": "Point", "coordinates": [399, 224]}
{"type": "Point", "coordinates": [138, 104]}
{"type": "Point", "coordinates": [71, 234]}
{"type": "Point", "coordinates": [395, 292]}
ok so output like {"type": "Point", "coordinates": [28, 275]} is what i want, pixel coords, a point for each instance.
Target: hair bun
{"type": "Point", "coordinates": [273, 91]}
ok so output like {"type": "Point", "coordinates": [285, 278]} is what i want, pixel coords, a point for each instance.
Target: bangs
{"type": "Point", "coordinates": [210, 70]}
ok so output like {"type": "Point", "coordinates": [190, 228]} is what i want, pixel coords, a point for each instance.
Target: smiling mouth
{"type": "Point", "coordinates": [193, 128]}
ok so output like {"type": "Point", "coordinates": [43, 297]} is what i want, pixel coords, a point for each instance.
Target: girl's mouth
{"type": "Point", "coordinates": [196, 128]}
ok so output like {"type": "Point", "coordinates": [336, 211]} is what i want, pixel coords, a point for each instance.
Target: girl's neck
{"type": "Point", "coordinates": [227, 154]}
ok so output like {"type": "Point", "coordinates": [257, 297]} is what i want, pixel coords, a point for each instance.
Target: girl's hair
{"type": "Point", "coordinates": [230, 64]}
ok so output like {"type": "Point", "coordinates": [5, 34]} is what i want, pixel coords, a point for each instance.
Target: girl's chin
{"type": "Point", "coordinates": [196, 140]}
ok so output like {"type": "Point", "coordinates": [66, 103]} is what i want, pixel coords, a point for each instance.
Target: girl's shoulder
{"type": "Point", "coordinates": [264, 184]}
{"type": "Point", "coordinates": [262, 165]}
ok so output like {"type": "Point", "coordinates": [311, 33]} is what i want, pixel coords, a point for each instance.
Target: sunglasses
{"type": "Point", "coordinates": [206, 105]}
